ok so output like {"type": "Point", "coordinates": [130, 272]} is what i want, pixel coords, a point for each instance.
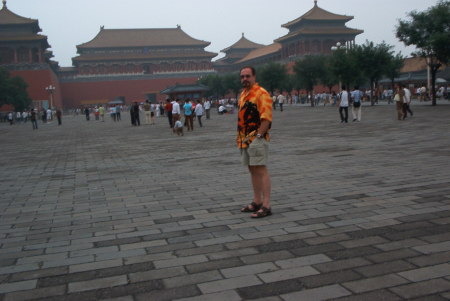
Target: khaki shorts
{"type": "Point", "coordinates": [256, 154]}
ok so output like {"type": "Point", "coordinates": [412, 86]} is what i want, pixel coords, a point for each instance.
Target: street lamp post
{"type": "Point", "coordinates": [334, 49]}
{"type": "Point", "coordinates": [50, 89]}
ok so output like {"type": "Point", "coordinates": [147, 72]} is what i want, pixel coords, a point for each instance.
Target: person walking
{"type": "Point", "coordinates": [168, 109]}
{"type": "Point", "coordinates": [176, 111]}
{"type": "Point", "coordinates": [33, 119]}
{"type": "Point", "coordinates": [406, 102]}
{"type": "Point", "coordinates": [356, 106]}
{"type": "Point", "coordinates": [152, 113]}
{"type": "Point", "coordinates": [86, 113]}
{"type": "Point", "coordinates": [343, 105]}
{"type": "Point", "coordinates": [137, 120]}
{"type": "Point", "coordinates": [101, 111]}
{"type": "Point", "coordinates": [147, 114]}
{"type": "Point", "coordinates": [254, 122]}
{"type": "Point", "coordinates": [208, 108]}
{"type": "Point", "coordinates": [199, 112]}
{"type": "Point", "coordinates": [398, 98]}
{"type": "Point", "coordinates": [281, 99]}
{"type": "Point", "coordinates": [59, 116]}
{"type": "Point", "coordinates": [188, 115]}
{"type": "Point", "coordinates": [10, 118]}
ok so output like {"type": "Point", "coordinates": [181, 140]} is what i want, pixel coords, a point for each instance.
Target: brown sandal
{"type": "Point", "coordinates": [263, 212]}
{"type": "Point", "coordinates": [252, 207]}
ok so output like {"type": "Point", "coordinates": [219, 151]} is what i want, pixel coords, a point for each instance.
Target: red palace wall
{"type": "Point", "coordinates": [37, 80]}
{"type": "Point", "coordinates": [77, 94]}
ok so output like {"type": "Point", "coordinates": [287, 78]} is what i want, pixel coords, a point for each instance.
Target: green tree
{"type": "Point", "coordinates": [13, 91]}
{"type": "Point", "coordinates": [429, 31]}
{"type": "Point", "coordinates": [272, 76]}
{"type": "Point", "coordinates": [308, 71]}
{"type": "Point", "coordinates": [372, 60]}
{"type": "Point", "coordinates": [232, 83]}
{"type": "Point", "coordinates": [215, 84]}
{"type": "Point", "coordinates": [344, 66]}
{"type": "Point", "coordinates": [394, 66]}
{"type": "Point", "coordinates": [327, 77]}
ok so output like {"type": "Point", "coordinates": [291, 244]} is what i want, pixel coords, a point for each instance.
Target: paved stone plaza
{"type": "Point", "coordinates": [107, 211]}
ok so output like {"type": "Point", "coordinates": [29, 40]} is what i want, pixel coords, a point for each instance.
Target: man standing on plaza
{"type": "Point", "coordinates": [147, 112]}
{"type": "Point", "coordinates": [176, 111]}
{"type": "Point", "coordinates": [343, 105]}
{"type": "Point", "coordinates": [168, 109]}
{"type": "Point", "coordinates": [254, 122]}
{"type": "Point", "coordinates": [356, 107]}
{"type": "Point", "coordinates": [207, 108]}
{"type": "Point", "coordinates": [281, 99]}
{"type": "Point", "coordinates": [406, 102]}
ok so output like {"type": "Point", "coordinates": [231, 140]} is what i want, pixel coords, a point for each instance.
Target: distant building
{"type": "Point", "coordinates": [314, 32]}
{"type": "Point", "coordinates": [234, 53]}
{"type": "Point", "coordinates": [24, 52]}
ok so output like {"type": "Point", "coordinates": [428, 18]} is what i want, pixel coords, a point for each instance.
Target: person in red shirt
{"type": "Point", "coordinates": [254, 122]}
{"type": "Point", "coordinates": [168, 109]}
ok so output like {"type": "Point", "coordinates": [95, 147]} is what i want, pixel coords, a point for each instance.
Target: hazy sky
{"type": "Point", "coordinates": [68, 23]}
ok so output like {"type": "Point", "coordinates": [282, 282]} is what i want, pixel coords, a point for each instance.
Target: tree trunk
{"type": "Point", "coordinates": [372, 102]}
{"type": "Point", "coordinates": [433, 86]}
{"type": "Point", "coordinates": [312, 98]}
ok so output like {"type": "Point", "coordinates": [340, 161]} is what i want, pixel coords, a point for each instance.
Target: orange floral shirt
{"type": "Point", "coordinates": [255, 104]}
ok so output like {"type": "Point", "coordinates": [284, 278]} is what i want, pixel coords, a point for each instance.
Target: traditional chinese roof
{"type": "Point", "coordinates": [317, 31]}
{"type": "Point", "coordinates": [243, 43]}
{"type": "Point", "coordinates": [185, 89]}
{"type": "Point", "coordinates": [317, 13]}
{"type": "Point", "coordinates": [129, 38]}
{"type": "Point", "coordinates": [144, 56]}
{"type": "Point", "coordinates": [7, 17]}
{"type": "Point", "coordinates": [414, 64]}
{"type": "Point", "coordinates": [260, 52]}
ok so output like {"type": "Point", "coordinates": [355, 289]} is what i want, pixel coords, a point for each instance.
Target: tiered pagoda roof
{"type": "Point", "coordinates": [243, 43]}
{"type": "Point", "coordinates": [143, 44]}
{"type": "Point", "coordinates": [144, 37]}
{"type": "Point", "coordinates": [261, 52]}
{"type": "Point", "coordinates": [318, 21]}
{"type": "Point", "coordinates": [16, 28]}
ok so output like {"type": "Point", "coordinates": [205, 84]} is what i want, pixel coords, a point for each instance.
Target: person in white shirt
{"type": "Point", "coordinates": [406, 102]}
{"type": "Point", "coordinates": [178, 128]}
{"type": "Point", "coordinates": [199, 112]}
{"type": "Point", "coordinates": [49, 114]}
{"type": "Point", "coordinates": [281, 99]}
{"type": "Point", "coordinates": [222, 110]}
{"type": "Point", "coordinates": [207, 108]}
{"type": "Point", "coordinates": [343, 105]}
{"type": "Point", "coordinates": [176, 111]}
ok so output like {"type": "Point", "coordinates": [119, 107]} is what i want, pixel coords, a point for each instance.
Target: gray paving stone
{"type": "Point", "coordinates": [38, 293]}
{"type": "Point", "coordinates": [222, 296]}
{"type": "Point", "coordinates": [192, 279]}
{"type": "Point", "coordinates": [228, 284]}
{"type": "Point", "coordinates": [249, 269]}
{"type": "Point", "coordinates": [384, 268]}
{"type": "Point", "coordinates": [156, 274]}
{"type": "Point", "coordinates": [302, 261]}
{"type": "Point", "coordinates": [323, 293]}
{"type": "Point", "coordinates": [423, 288]}
{"type": "Point", "coordinates": [17, 286]}
{"type": "Point", "coordinates": [375, 283]}
{"type": "Point", "coordinates": [286, 274]}
{"type": "Point", "coordinates": [427, 273]}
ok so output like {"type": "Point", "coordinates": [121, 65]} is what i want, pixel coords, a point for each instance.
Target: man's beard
{"type": "Point", "coordinates": [245, 84]}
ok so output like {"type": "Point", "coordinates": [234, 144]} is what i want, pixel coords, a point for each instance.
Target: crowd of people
{"type": "Point", "coordinates": [33, 115]}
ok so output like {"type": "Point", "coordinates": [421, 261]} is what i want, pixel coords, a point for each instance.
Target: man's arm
{"type": "Point", "coordinates": [265, 124]}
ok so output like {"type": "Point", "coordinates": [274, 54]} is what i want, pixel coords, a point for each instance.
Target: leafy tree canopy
{"type": "Point", "coordinates": [13, 91]}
